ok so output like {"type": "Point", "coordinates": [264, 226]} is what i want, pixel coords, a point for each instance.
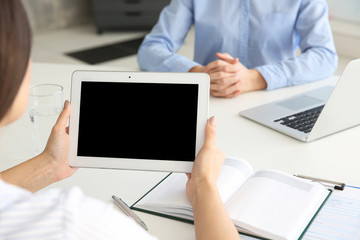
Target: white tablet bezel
{"type": "Point", "coordinates": [201, 79]}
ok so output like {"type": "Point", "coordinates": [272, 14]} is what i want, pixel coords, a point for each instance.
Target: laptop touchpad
{"type": "Point", "coordinates": [301, 102]}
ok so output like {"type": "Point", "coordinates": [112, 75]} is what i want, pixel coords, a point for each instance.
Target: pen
{"type": "Point", "coordinates": [126, 209]}
{"type": "Point", "coordinates": [337, 185]}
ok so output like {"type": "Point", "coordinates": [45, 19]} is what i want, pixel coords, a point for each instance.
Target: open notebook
{"type": "Point", "coordinates": [268, 204]}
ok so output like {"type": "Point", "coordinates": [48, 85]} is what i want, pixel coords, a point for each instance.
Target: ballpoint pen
{"type": "Point", "coordinates": [337, 185]}
{"type": "Point", "coordinates": [126, 209]}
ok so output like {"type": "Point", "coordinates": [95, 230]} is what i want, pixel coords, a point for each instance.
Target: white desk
{"type": "Point", "coordinates": [335, 157]}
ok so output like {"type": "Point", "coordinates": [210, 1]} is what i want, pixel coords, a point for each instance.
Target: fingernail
{"type": "Point", "coordinates": [66, 103]}
{"type": "Point", "coordinates": [213, 121]}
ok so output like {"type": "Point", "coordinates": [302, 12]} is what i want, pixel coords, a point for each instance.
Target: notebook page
{"type": "Point", "coordinates": [234, 173]}
{"type": "Point", "coordinates": [276, 205]}
{"type": "Point", "coordinates": [170, 195]}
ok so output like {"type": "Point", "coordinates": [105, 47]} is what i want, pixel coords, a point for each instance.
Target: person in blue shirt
{"type": "Point", "coordinates": [244, 45]}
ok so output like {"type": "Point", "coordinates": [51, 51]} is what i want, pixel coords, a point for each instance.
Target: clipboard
{"type": "Point", "coordinates": [338, 217]}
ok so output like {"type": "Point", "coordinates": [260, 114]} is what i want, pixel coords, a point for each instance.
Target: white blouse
{"type": "Point", "coordinates": [61, 214]}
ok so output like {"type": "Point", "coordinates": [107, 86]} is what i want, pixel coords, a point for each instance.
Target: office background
{"type": "Point", "coordinates": [64, 26]}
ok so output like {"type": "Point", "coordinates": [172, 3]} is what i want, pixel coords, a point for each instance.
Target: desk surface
{"type": "Point", "coordinates": [334, 157]}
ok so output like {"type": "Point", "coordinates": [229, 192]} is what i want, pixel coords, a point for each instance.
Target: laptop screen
{"type": "Point", "coordinates": [154, 121]}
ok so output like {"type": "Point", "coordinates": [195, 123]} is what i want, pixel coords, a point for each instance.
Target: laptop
{"type": "Point", "coordinates": [317, 113]}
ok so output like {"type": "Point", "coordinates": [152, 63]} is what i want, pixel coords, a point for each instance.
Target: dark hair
{"type": "Point", "coordinates": [15, 46]}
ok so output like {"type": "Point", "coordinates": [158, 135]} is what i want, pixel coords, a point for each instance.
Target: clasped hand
{"type": "Point", "coordinates": [229, 77]}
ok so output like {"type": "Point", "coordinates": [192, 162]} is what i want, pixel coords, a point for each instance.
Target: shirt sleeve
{"type": "Point", "coordinates": [158, 50]}
{"type": "Point", "coordinates": [318, 58]}
{"type": "Point", "coordinates": [88, 218]}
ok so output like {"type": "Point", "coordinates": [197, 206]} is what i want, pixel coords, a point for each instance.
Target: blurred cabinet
{"type": "Point", "coordinates": [126, 14]}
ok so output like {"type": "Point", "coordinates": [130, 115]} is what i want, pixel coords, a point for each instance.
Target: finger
{"type": "Point", "coordinates": [227, 92]}
{"type": "Point", "coordinates": [218, 94]}
{"type": "Point", "coordinates": [222, 84]}
{"type": "Point", "coordinates": [219, 75]}
{"type": "Point", "coordinates": [188, 175]}
{"type": "Point", "coordinates": [232, 89]}
{"type": "Point", "coordinates": [230, 68]}
{"type": "Point", "coordinates": [236, 93]}
{"type": "Point", "coordinates": [210, 132]}
{"type": "Point", "coordinates": [215, 64]}
{"type": "Point", "coordinates": [227, 58]}
{"type": "Point", "coordinates": [64, 115]}
{"type": "Point", "coordinates": [223, 56]}
{"type": "Point", "coordinates": [234, 61]}
{"type": "Point", "coordinates": [215, 93]}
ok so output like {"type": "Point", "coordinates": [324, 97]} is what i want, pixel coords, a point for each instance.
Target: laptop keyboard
{"type": "Point", "coordinates": [302, 121]}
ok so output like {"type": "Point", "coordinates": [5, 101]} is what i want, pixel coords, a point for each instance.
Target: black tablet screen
{"type": "Point", "coordinates": [138, 120]}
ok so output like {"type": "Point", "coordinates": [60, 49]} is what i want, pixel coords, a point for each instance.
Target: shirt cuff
{"type": "Point", "coordinates": [182, 65]}
{"type": "Point", "coordinates": [274, 76]}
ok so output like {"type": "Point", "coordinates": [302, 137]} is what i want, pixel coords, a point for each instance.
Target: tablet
{"type": "Point", "coordinates": [137, 120]}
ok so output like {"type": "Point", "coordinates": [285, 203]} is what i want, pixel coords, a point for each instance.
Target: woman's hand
{"type": "Point", "coordinates": [48, 167]}
{"type": "Point", "coordinates": [211, 220]}
{"type": "Point", "coordinates": [57, 148]}
{"type": "Point", "coordinates": [207, 164]}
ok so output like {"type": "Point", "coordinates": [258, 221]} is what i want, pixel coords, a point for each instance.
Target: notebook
{"type": "Point", "coordinates": [268, 204]}
{"type": "Point", "coordinates": [317, 113]}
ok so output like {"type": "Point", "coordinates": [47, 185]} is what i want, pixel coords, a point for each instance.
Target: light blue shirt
{"type": "Point", "coordinates": [263, 34]}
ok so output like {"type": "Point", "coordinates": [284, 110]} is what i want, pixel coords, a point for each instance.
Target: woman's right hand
{"type": "Point", "coordinates": [210, 216]}
{"type": "Point", "coordinates": [207, 164]}
{"type": "Point", "coordinates": [57, 148]}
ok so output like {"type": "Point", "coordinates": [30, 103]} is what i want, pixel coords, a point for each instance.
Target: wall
{"type": "Point", "coordinates": [345, 10]}
{"type": "Point", "coordinates": [47, 15]}
{"type": "Point", "coordinates": [345, 24]}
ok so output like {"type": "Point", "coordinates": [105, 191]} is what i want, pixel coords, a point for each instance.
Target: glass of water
{"type": "Point", "coordinates": [46, 103]}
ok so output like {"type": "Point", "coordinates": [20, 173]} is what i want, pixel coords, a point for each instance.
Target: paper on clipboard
{"type": "Point", "coordinates": [339, 218]}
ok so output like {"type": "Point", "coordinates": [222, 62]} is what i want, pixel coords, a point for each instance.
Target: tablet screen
{"type": "Point", "coordinates": [154, 121]}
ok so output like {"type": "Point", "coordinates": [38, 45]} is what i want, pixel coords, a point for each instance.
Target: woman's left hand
{"type": "Point", "coordinates": [57, 147]}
